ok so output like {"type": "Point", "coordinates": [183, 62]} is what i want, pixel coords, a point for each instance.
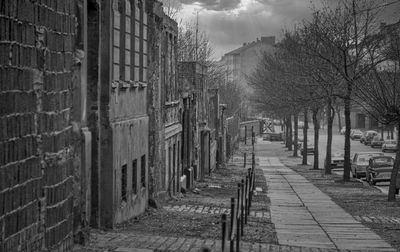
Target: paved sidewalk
{"type": "Point", "coordinates": [305, 216]}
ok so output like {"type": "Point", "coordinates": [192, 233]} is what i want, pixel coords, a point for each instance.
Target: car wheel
{"type": "Point", "coordinates": [356, 174]}
{"type": "Point", "coordinates": [371, 180]}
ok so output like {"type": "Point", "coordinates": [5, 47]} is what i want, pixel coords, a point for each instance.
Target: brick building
{"type": "Point", "coordinates": [81, 124]}
{"type": "Point", "coordinates": [39, 127]}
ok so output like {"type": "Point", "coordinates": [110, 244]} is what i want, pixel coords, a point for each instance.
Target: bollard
{"type": "Point", "coordinates": [244, 159]}
{"type": "Point", "coordinates": [232, 230]}
{"type": "Point", "coordinates": [238, 236]}
{"type": "Point", "coordinates": [245, 135]}
{"type": "Point", "coordinates": [246, 187]}
{"type": "Point", "coordinates": [252, 135]}
{"type": "Point", "coordinates": [242, 207]}
{"type": "Point", "coordinates": [249, 171]}
{"type": "Point", "coordinates": [223, 232]}
{"type": "Point", "coordinates": [238, 222]}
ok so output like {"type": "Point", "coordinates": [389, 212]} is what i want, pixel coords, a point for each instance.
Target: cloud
{"type": "Point", "coordinates": [230, 23]}
{"type": "Point", "coordinates": [215, 5]}
{"type": "Point", "coordinates": [228, 30]}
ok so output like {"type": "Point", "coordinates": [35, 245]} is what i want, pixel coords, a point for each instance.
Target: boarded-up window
{"type": "Point", "coordinates": [124, 181]}
{"type": "Point", "coordinates": [143, 171]}
{"type": "Point", "coordinates": [134, 176]}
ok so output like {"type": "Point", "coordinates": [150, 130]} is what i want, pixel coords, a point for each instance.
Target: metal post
{"type": "Point", "coordinates": [244, 159]}
{"type": "Point", "coordinates": [223, 232]}
{"type": "Point", "coordinates": [238, 222]}
{"type": "Point", "coordinates": [253, 140]}
{"type": "Point", "coordinates": [246, 187]}
{"type": "Point", "coordinates": [249, 171]}
{"type": "Point", "coordinates": [242, 207]}
{"type": "Point", "coordinates": [245, 135]}
{"type": "Point", "coordinates": [232, 230]}
{"type": "Point", "coordinates": [238, 235]}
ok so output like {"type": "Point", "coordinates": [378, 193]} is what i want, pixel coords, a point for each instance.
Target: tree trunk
{"type": "Point", "coordinates": [290, 147]}
{"type": "Point", "coordinates": [347, 168]}
{"type": "Point", "coordinates": [391, 133]}
{"type": "Point", "coordinates": [395, 171]}
{"type": "Point", "coordinates": [286, 133]}
{"type": "Point", "coordinates": [316, 138]}
{"type": "Point", "coordinates": [305, 128]}
{"type": "Point", "coordinates": [328, 158]}
{"type": "Point", "coordinates": [296, 134]}
{"type": "Point", "coordinates": [339, 118]}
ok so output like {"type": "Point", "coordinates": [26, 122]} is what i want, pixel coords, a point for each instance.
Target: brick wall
{"type": "Point", "coordinates": [36, 47]}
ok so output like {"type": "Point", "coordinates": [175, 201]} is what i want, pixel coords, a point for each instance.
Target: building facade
{"type": "Point", "coordinates": [121, 126]}
{"type": "Point", "coordinates": [242, 61]}
{"type": "Point", "coordinates": [95, 118]}
{"type": "Point", "coordinates": [165, 105]}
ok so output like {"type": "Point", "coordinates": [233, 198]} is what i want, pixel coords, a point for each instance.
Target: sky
{"type": "Point", "coordinates": [230, 23]}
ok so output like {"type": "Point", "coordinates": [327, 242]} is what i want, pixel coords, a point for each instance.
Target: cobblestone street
{"type": "Point", "coordinates": [324, 227]}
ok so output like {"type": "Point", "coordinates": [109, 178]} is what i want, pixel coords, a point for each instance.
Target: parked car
{"type": "Point", "coordinates": [356, 134]}
{"type": "Point", "coordinates": [377, 141]}
{"type": "Point", "coordinates": [337, 160]}
{"type": "Point", "coordinates": [273, 136]}
{"type": "Point", "coordinates": [343, 131]}
{"type": "Point", "coordinates": [369, 135]}
{"type": "Point", "coordinates": [379, 169]}
{"type": "Point", "coordinates": [389, 145]}
{"type": "Point", "coordinates": [362, 139]}
{"type": "Point", "coordinates": [360, 162]}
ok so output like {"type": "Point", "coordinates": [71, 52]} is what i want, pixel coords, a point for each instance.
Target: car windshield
{"type": "Point", "coordinates": [383, 161]}
{"type": "Point", "coordinates": [363, 158]}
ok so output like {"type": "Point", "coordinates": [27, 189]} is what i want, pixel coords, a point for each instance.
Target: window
{"type": "Point", "coordinates": [134, 176]}
{"type": "Point", "coordinates": [123, 182]}
{"type": "Point", "coordinates": [143, 170]}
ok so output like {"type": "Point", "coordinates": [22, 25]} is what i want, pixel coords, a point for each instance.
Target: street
{"type": "Point", "coordinates": [338, 147]}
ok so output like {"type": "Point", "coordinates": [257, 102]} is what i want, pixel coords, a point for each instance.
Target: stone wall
{"type": "Point", "coordinates": [36, 169]}
{"type": "Point", "coordinates": [164, 104]}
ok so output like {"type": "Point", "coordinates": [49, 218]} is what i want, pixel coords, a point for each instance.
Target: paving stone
{"type": "Point", "coordinates": [168, 243]}
{"type": "Point", "coordinates": [132, 250]}
{"type": "Point", "coordinates": [157, 243]}
{"type": "Point", "coordinates": [177, 244]}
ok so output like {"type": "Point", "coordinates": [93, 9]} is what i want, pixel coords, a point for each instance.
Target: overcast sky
{"type": "Point", "coordinates": [230, 23]}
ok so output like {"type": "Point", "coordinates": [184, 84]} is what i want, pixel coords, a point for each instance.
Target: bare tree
{"type": "Point", "coordinates": [379, 92]}
{"type": "Point", "coordinates": [341, 36]}
{"type": "Point", "coordinates": [172, 8]}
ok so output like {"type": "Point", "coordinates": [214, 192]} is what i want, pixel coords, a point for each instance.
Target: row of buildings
{"type": "Point", "coordinates": [96, 117]}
